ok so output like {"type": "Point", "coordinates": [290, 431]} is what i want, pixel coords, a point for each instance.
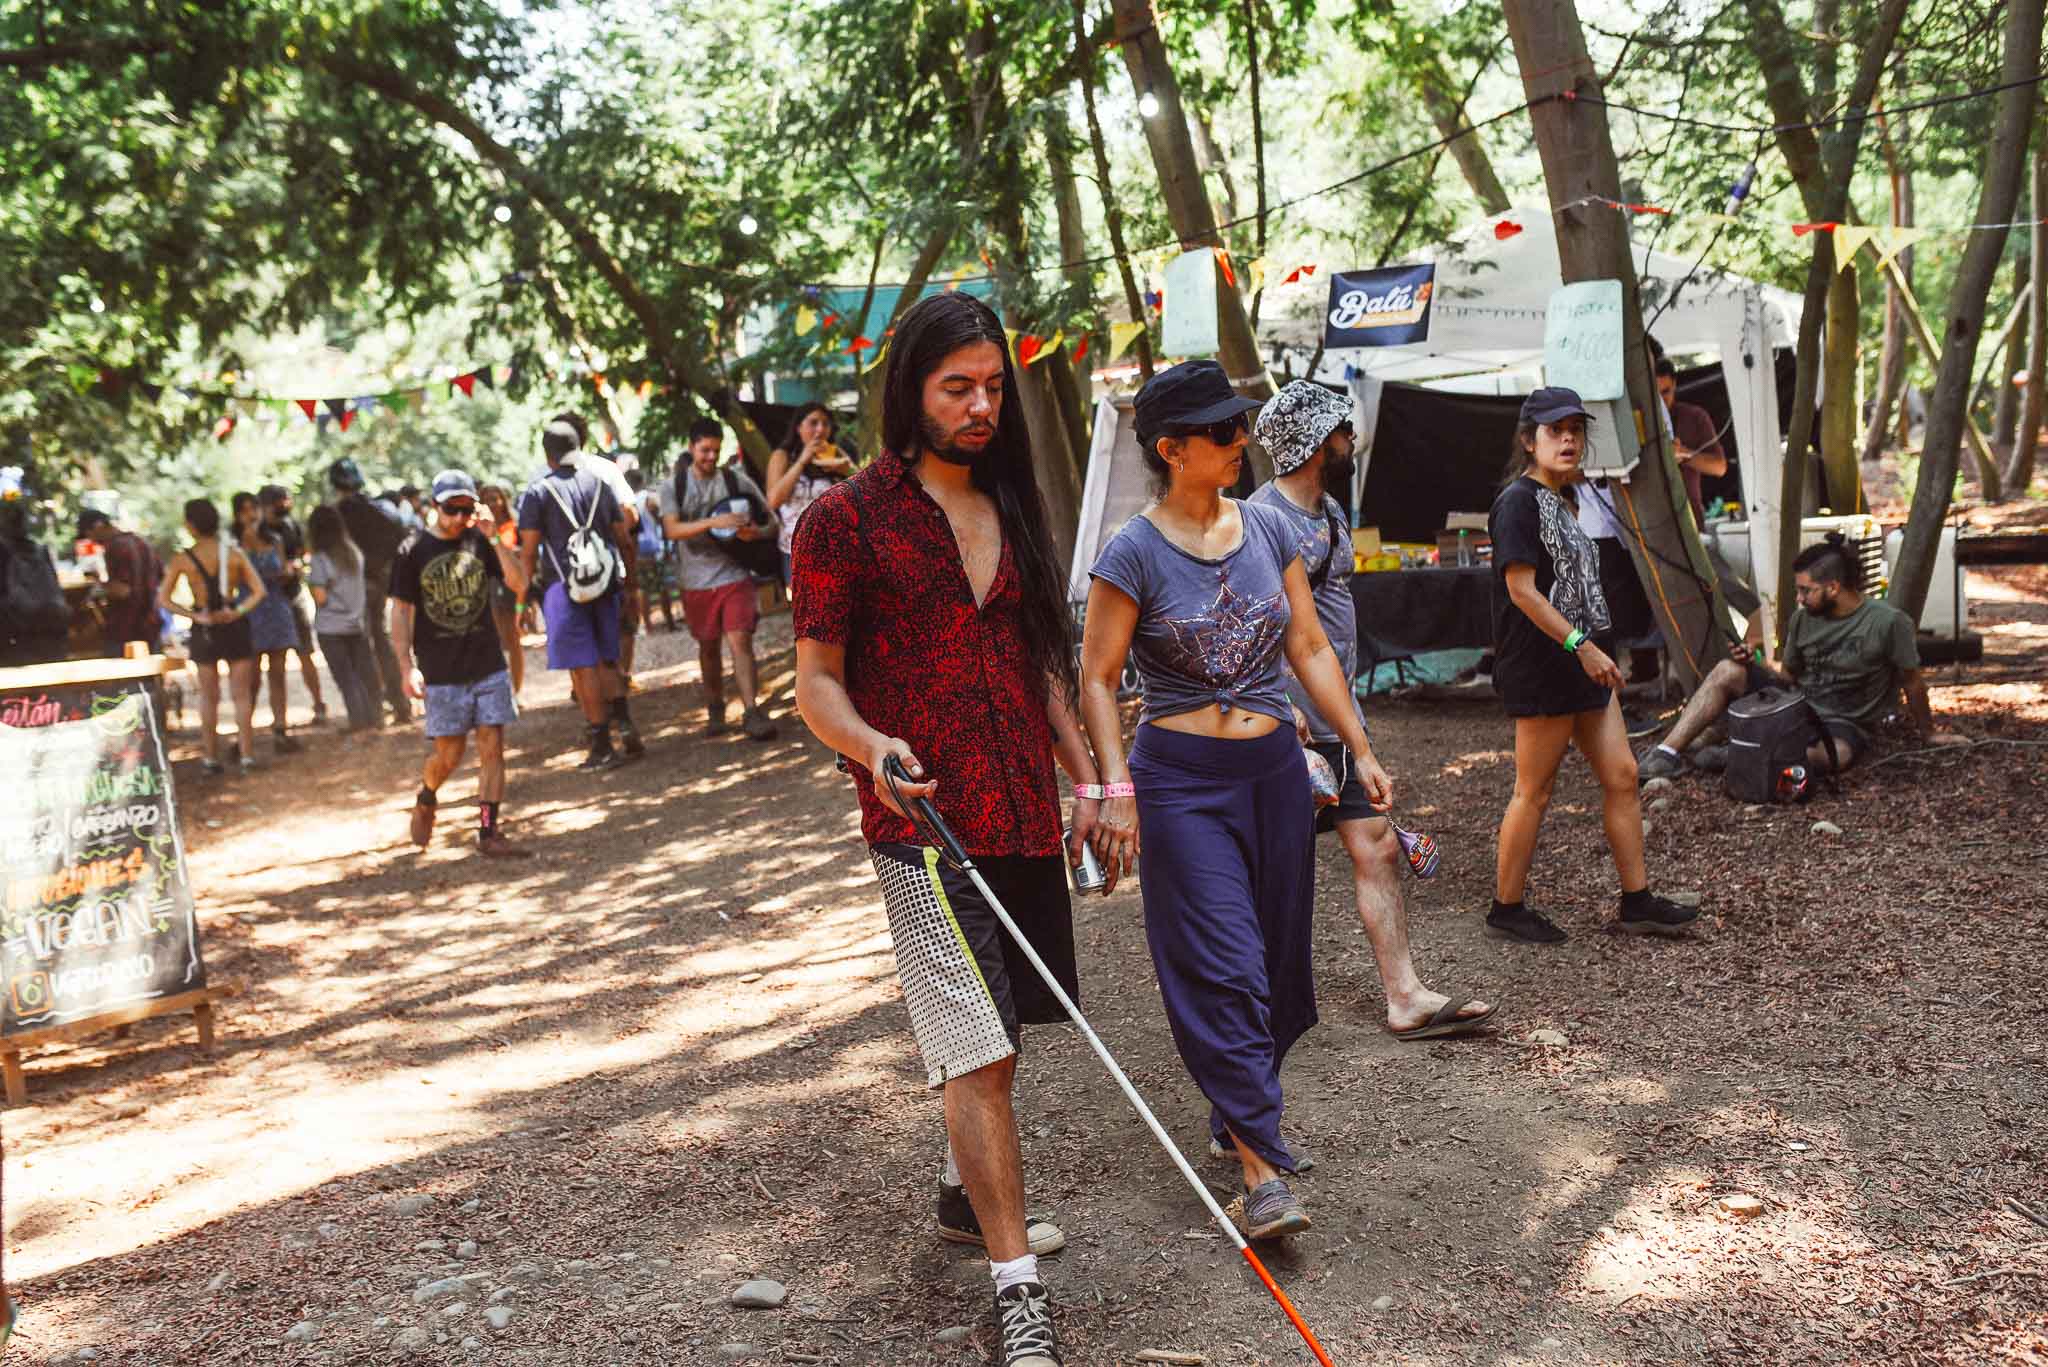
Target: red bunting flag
{"type": "Point", "coordinates": [308, 407]}
{"type": "Point", "coordinates": [858, 345]}
{"type": "Point", "coordinates": [348, 415]}
{"type": "Point", "coordinates": [1505, 229]}
{"type": "Point", "coordinates": [597, 382]}
{"type": "Point", "coordinates": [1223, 260]}
{"type": "Point", "coordinates": [1299, 274]}
{"type": "Point", "coordinates": [225, 428]}
{"type": "Point", "coordinates": [1027, 347]}
{"type": "Point", "coordinates": [1802, 229]}
{"type": "Point", "coordinates": [465, 383]}
{"type": "Point", "coordinates": [828, 320]}
{"type": "Point", "coordinates": [1645, 209]}
{"type": "Point", "coordinates": [1081, 348]}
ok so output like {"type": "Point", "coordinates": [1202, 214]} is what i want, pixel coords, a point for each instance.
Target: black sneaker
{"type": "Point", "coordinates": [1711, 759]}
{"type": "Point", "coordinates": [958, 1225]}
{"type": "Point", "coordinates": [1658, 916]}
{"type": "Point", "coordinates": [629, 739]}
{"type": "Point", "coordinates": [1520, 923]}
{"type": "Point", "coordinates": [1024, 1332]}
{"type": "Point", "coordinates": [1657, 762]}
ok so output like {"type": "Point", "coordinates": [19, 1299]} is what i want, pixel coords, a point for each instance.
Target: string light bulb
{"type": "Point", "coordinates": [1148, 105]}
{"type": "Point", "coordinates": [749, 225]}
{"type": "Point", "coordinates": [503, 213]}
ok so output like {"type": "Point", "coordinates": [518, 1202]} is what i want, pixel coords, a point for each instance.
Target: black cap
{"type": "Point", "coordinates": [1189, 395]}
{"type": "Point", "coordinates": [1553, 404]}
{"type": "Point", "coordinates": [344, 475]}
{"type": "Point", "coordinates": [88, 518]}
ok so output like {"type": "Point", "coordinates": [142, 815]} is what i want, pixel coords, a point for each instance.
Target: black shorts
{"type": "Point", "coordinates": [1352, 803]}
{"type": "Point", "coordinates": [969, 988]}
{"type": "Point", "coordinates": [228, 641]}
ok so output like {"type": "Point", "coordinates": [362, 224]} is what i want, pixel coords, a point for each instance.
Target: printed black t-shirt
{"type": "Point", "coordinates": [1533, 525]}
{"type": "Point", "coordinates": [448, 583]}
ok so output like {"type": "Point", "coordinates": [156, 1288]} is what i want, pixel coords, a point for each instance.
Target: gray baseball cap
{"type": "Point", "coordinates": [453, 484]}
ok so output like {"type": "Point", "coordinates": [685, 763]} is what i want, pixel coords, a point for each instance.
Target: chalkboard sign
{"type": "Point", "coordinates": [1582, 340]}
{"type": "Point", "coordinates": [95, 913]}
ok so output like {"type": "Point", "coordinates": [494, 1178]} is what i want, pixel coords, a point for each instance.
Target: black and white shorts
{"type": "Point", "coordinates": [969, 988]}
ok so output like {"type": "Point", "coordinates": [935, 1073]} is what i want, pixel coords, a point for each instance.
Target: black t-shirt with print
{"type": "Point", "coordinates": [1532, 525]}
{"type": "Point", "coordinates": [448, 583]}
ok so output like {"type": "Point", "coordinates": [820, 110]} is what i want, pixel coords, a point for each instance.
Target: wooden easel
{"type": "Point", "coordinates": [199, 1003]}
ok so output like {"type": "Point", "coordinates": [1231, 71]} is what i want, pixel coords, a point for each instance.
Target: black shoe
{"type": "Point", "coordinates": [757, 726]}
{"type": "Point", "coordinates": [1656, 762]}
{"type": "Point", "coordinates": [958, 1225]}
{"type": "Point", "coordinates": [1710, 759]}
{"type": "Point", "coordinates": [630, 742]}
{"type": "Point", "coordinates": [1024, 1332]}
{"type": "Point", "coordinates": [1657, 916]}
{"type": "Point", "coordinates": [1520, 923]}
{"type": "Point", "coordinates": [602, 759]}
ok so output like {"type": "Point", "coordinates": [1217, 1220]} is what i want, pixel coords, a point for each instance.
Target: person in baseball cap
{"type": "Point", "coordinates": [1192, 397]}
{"type": "Point", "coordinates": [1306, 430]}
{"type": "Point", "coordinates": [1551, 405]}
{"type": "Point", "coordinates": [440, 615]}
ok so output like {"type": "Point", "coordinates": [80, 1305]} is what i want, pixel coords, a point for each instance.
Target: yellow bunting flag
{"type": "Point", "coordinates": [1052, 344]}
{"type": "Point", "coordinates": [1256, 269]}
{"type": "Point", "coordinates": [1849, 240]}
{"type": "Point", "coordinates": [806, 320]}
{"type": "Point", "coordinates": [1121, 335]}
{"type": "Point", "coordinates": [880, 352]}
{"type": "Point", "coordinates": [1892, 240]}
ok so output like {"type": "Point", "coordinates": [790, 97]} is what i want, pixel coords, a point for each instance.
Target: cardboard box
{"type": "Point", "coordinates": [1365, 541]}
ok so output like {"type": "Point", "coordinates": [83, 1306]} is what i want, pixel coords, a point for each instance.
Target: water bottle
{"type": "Point", "coordinates": [1088, 875]}
{"type": "Point", "coordinates": [1464, 550]}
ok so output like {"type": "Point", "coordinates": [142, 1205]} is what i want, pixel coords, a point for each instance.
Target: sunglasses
{"type": "Point", "coordinates": [1223, 432]}
{"type": "Point", "coordinates": [458, 510]}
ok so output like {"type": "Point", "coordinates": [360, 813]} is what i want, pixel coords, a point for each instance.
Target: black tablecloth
{"type": "Point", "coordinates": [1407, 612]}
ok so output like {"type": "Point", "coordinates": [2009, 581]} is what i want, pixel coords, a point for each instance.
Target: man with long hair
{"type": "Point", "coordinates": [932, 626]}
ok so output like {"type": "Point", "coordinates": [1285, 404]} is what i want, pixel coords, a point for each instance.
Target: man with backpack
{"type": "Point", "coordinates": [574, 545]}
{"type": "Point", "coordinates": [377, 534]}
{"type": "Point", "coordinates": [722, 522]}
{"type": "Point", "coordinates": [1306, 429]}
{"type": "Point", "coordinates": [1848, 656]}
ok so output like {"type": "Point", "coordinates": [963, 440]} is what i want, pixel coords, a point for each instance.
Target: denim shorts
{"type": "Point", "coordinates": [460, 708]}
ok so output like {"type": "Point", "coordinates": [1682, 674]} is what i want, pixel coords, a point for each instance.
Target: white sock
{"type": "Point", "coordinates": [950, 1174]}
{"type": "Point", "coordinates": [1668, 750]}
{"type": "Point", "coordinates": [1015, 1272]}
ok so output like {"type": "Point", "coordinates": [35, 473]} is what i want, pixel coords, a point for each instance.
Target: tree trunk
{"type": "Point", "coordinates": [1112, 215]}
{"type": "Point", "coordinates": [1213, 161]}
{"type": "Point", "coordinates": [1447, 111]}
{"type": "Point", "coordinates": [1832, 205]}
{"type": "Point", "coordinates": [1946, 406]}
{"type": "Point", "coordinates": [1187, 201]}
{"type": "Point", "coordinates": [1891, 366]}
{"type": "Point", "coordinates": [1592, 244]}
{"type": "Point", "coordinates": [1838, 398]}
{"type": "Point", "coordinates": [2005, 403]}
{"type": "Point", "coordinates": [1066, 200]}
{"type": "Point", "coordinates": [2020, 473]}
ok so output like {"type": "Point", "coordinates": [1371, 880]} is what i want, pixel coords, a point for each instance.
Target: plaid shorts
{"type": "Point", "coordinates": [969, 988]}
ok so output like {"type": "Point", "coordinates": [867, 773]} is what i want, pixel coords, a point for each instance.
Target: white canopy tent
{"type": "Point", "coordinates": [1486, 333]}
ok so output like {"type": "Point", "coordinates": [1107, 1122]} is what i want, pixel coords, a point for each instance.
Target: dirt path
{"type": "Point", "coordinates": [604, 1087]}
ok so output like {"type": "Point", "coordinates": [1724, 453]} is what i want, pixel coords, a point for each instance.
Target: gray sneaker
{"type": "Point", "coordinates": [1710, 759]}
{"type": "Point", "coordinates": [1271, 1211]}
{"type": "Point", "coordinates": [1656, 763]}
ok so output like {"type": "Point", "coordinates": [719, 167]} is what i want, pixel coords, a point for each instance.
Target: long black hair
{"type": "Point", "coordinates": [929, 331]}
{"type": "Point", "coordinates": [328, 534]}
{"type": "Point", "coordinates": [793, 442]}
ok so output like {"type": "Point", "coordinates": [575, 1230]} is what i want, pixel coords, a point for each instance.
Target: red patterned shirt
{"type": "Point", "coordinates": [877, 571]}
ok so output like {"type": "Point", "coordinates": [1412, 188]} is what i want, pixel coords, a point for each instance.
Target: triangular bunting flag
{"type": "Point", "coordinates": [504, 374]}
{"type": "Point", "coordinates": [465, 383]}
{"type": "Point", "coordinates": [152, 392]}
{"type": "Point", "coordinates": [1081, 347]}
{"type": "Point", "coordinates": [1256, 269]}
{"type": "Point", "coordinates": [1849, 240]}
{"type": "Point", "coordinates": [1121, 335]}
{"type": "Point", "coordinates": [1893, 240]}
{"type": "Point", "coordinates": [1028, 347]}
{"type": "Point", "coordinates": [1505, 229]}
{"type": "Point", "coordinates": [828, 320]}
{"type": "Point", "coordinates": [310, 407]}
{"type": "Point", "coordinates": [806, 320]}
{"type": "Point", "coordinates": [858, 345]}
{"type": "Point", "coordinates": [1802, 229]}
{"type": "Point", "coordinates": [597, 382]}
{"type": "Point", "coordinates": [337, 408]}
{"type": "Point", "coordinates": [1223, 264]}
{"type": "Point", "coordinates": [485, 376]}
{"type": "Point", "coordinates": [880, 352]}
{"type": "Point", "coordinates": [1049, 348]}
{"type": "Point", "coordinates": [225, 428]}
{"type": "Point", "coordinates": [348, 415]}
{"type": "Point", "coordinates": [646, 388]}
{"type": "Point", "coordinates": [1299, 274]}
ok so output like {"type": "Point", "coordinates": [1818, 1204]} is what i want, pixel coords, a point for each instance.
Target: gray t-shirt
{"type": "Point", "coordinates": [1208, 630]}
{"type": "Point", "coordinates": [1334, 608]}
{"type": "Point", "coordinates": [704, 565]}
{"type": "Point", "coordinates": [342, 613]}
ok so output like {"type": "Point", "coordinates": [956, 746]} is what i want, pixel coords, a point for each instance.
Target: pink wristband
{"type": "Point", "coordinates": [1095, 792]}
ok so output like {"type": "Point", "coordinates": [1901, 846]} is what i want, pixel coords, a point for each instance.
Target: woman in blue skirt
{"type": "Point", "coordinates": [272, 629]}
{"type": "Point", "coordinates": [1212, 596]}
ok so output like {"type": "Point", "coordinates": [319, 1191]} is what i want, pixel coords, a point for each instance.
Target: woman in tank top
{"type": "Point", "coordinates": [1212, 596]}
{"type": "Point", "coordinates": [272, 631]}
{"type": "Point", "coordinates": [222, 587]}
{"type": "Point", "coordinates": [804, 466]}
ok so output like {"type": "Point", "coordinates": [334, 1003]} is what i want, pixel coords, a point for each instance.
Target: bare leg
{"type": "Point", "coordinates": [442, 759]}
{"type": "Point", "coordinates": [1818, 760]}
{"type": "Point", "coordinates": [711, 666]}
{"type": "Point", "coordinates": [209, 710]}
{"type": "Point", "coordinates": [507, 621]}
{"type": "Point", "coordinates": [982, 1129]}
{"type": "Point", "coordinates": [1539, 748]}
{"type": "Point", "coordinates": [490, 763]}
{"type": "Point", "coordinates": [242, 683]}
{"type": "Point", "coordinates": [590, 695]}
{"type": "Point", "coordinates": [627, 644]}
{"type": "Point", "coordinates": [744, 672]}
{"type": "Point", "coordinates": [1724, 683]}
{"type": "Point", "coordinates": [274, 664]}
{"type": "Point", "coordinates": [1603, 738]}
{"type": "Point", "coordinates": [1257, 1171]}
{"type": "Point", "coordinates": [310, 672]}
{"type": "Point", "coordinates": [1376, 867]}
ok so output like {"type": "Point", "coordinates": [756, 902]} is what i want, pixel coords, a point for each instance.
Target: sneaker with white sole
{"type": "Point", "coordinates": [1024, 1332]}
{"type": "Point", "coordinates": [958, 1225]}
{"type": "Point", "coordinates": [1273, 1211]}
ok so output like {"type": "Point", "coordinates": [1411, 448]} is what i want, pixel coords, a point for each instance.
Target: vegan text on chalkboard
{"type": "Point", "coordinates": [95, 911]}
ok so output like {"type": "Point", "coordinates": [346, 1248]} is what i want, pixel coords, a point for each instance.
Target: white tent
{"type": "Point", "coordinates": [1486, 333]}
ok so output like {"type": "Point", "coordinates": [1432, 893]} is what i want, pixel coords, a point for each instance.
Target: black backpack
{"type": "Point", "coordinates": [32, 606]}
{"type": "Point", "coordinates": [763, 558]}
{"type": "Point", "coordinates": [1769, 732]}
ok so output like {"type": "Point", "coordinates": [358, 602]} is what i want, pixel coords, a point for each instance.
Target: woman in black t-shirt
{"type": "Point", "coordinates": [1552, 669]}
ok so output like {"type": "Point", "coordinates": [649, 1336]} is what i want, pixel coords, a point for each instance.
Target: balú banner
{"type": "Point", "coordinates": [1387, 307]}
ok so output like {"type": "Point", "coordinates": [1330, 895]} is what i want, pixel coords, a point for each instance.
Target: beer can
{"type": "Point", "coordinates": [1088, 875]}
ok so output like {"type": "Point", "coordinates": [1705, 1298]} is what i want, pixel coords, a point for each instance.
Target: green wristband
{"type": "Point", "coordinates": [1573, 639]}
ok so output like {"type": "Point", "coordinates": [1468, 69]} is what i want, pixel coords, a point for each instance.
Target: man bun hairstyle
{"type": "Point", "coordinates": [1831, 558]}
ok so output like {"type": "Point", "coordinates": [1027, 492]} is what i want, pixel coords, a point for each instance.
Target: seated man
{"type": "Point", "coordinates": [1848, 654]}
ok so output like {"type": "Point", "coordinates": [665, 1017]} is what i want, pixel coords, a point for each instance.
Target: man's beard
{"type": "Point", "coordinates": [1337, 475]}
{"type": "Point", "coordinates": [939, 443]}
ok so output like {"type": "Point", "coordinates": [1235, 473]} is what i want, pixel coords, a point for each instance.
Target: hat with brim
{"type": "Point", "coordinates": [1296, 422]}
{"type": "Point", "coordinates": [1183, 397]}
{"type": "Point", "coordinates": [1552, 405]}
{"type": "Point", "coordinates": [453, 484]}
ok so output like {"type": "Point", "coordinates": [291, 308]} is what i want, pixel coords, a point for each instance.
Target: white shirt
{"type": "Point", "coordinates": [608, 473]}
